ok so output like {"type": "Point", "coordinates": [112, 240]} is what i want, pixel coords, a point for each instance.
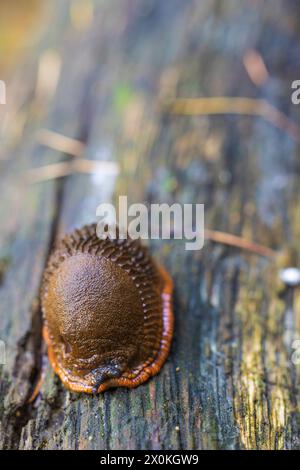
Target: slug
{"type": "Point", "coordinates": [107, 312]}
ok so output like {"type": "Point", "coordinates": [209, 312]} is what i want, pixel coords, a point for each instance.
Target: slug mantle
{"type": "Point", "coordinates": [107, 309]}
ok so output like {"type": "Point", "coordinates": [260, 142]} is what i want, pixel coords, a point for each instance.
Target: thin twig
{"type": "Point", "coordinates": [244, 106]}
{"type": "Point", "coordinates": [61, 169]}
{"type": "Point", "coordinates": [49, 172]}
{"type": "Point", "coordinates": [229, 239]}
{"type": "Point", "coordinates": [95, 166]}
{"type": "Point", "coordinates": [255, 67]}
{"type": "Point", "coordinates": [37, 388]}
{"type": "Point", "coordinates": [239, 242]}
{"type": "Point", "coordinates": [61, 143]}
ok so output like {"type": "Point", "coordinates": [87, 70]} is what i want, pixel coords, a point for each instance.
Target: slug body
{"type": "Point", "coordinates": [107, 310]}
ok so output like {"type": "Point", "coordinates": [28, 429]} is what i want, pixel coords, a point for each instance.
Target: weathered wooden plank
{"type": "Point", "coordinates": [229, 381]}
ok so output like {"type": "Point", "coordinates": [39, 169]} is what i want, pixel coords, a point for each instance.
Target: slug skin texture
{"type": "Point", "coordinates": [107, 310]}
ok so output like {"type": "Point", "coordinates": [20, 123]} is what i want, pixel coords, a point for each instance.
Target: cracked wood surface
{"type": "Point", "coordinates": [229, 381]}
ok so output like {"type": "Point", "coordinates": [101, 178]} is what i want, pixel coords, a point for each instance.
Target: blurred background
{"type": "Point", "coordinates": [164, 101]}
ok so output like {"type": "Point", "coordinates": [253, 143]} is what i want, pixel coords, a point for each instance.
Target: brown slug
{"type": "Point", "coordinates": [107, 310]}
